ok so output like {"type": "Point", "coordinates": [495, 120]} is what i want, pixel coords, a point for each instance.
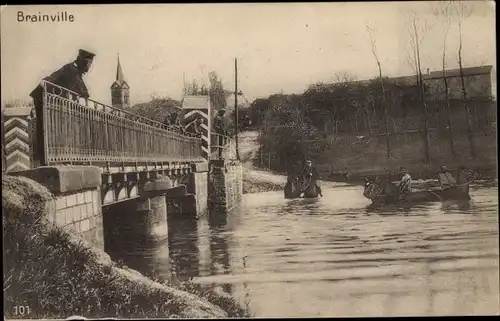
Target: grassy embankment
{"type": "Point", "coordinates": [368, 155]}
{"type": "Point", "coordinates": [57, 274]}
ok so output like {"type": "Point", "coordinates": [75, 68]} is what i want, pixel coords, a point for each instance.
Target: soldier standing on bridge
{"type": "Point", "coordinates": [69, 77]}
{"type": "Point", "coordinates": [221, 129]}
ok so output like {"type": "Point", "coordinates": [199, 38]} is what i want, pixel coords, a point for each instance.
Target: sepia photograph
{"type": "Point", "coordinates": [249, 160]}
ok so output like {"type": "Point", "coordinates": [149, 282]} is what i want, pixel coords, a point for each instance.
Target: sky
{"type": "Point", "coordinates": [280, 47]}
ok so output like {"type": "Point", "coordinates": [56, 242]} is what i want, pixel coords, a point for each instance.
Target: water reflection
{"type": "Point", "coordinates": [339, 256]}
{"type": "Point", "coordinates": [219, 248]}
{"type": "Point", "coordinates": [183, 242]}
{"type": "Point", "coordinates": [464, 207]}
{"type": "Point", "coordinates": [389, 210]}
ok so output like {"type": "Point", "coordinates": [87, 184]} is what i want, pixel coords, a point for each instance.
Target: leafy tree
{"type": "Point", "coordinates": [157, 108]}
{"type": "Point", "coordinates": [216, 92]}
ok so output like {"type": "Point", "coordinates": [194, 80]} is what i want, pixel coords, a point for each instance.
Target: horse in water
{"type": "Point", "coordinates": [310, 187]}
{"type": "Point", "coordinates": [292, 187]}
{"type": "Point", "coordinates": [297, 185]}
{"type": "Point", "coordinates": [385, 192]}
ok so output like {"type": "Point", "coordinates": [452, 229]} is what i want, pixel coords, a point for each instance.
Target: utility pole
{"type": "Point", "coordinates": [184, 83]}
{"type": "Point", "coordinates": [236, 107]}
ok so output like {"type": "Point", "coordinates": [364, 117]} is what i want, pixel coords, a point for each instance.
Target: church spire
{"type": "Point", "coordinates": [120, 88]}
{"type": "Point", "coordinates": [119, 73]}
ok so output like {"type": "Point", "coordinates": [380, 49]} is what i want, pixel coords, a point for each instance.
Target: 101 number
{"type": "Point", "coordinates": [21, 310]}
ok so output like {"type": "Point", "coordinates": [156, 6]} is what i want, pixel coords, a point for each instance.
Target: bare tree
{"type": "Point", "coordinates": [444, 10]}
{"type": "Point", "coordinates": [344, 77]}
{"type": "Point", "coordinates": [416, 32]}
{"type": "Point", "coordinates": [463, 11]}
{"type": "Point", "coordinates": [373, 42]}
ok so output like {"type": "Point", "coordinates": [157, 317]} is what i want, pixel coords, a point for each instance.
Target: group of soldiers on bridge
{"type": "Point", "coordinates": [174, 122]}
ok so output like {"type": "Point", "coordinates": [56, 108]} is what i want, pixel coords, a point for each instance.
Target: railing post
{"type": "Point", "coordinates": [42, 126]}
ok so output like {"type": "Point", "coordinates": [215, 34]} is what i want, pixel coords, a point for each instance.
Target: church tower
{"type": "Point", "coordinates": [120, 97]}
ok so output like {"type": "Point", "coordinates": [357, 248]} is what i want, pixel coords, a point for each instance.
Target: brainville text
{"type": "Point", "coordinates": [62, 16]}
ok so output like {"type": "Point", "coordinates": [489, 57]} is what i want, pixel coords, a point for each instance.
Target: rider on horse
{"type": "Point", "coordinates": [309, 173]}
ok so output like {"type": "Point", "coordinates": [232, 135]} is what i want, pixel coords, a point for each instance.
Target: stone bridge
{"type": "Point", "coordinates": [116, 173]}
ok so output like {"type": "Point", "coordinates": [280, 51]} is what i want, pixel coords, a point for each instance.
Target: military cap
{"type": "Point", "coordinates": [82, 53]}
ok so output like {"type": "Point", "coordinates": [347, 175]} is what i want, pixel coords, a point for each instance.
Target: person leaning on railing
{"type": "Point", "coordinates": [173, 122]}
{"type": "Point", "coordinates": [194, 127]}
{"type": "Point", "coordinates": [69, 77]}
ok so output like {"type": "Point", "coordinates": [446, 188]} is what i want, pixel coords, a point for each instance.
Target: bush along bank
{"type": "Point", "coordinates": [56, 274]}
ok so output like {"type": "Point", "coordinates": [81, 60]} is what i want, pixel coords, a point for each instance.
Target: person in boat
{"type": "Point", "coordinates": [404, 185]}
{"type": "Point", "coordinates": [445, 178]}
{"type": "Point", "coordinates": [310, 172]}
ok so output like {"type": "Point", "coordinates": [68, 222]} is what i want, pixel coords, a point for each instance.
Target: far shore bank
{"type": "Point", "coordinates": [340, 169]}
{"type": "Point", "coordinates": [417, 171]}
{"type": "Point", "coordinates": [264, 180]}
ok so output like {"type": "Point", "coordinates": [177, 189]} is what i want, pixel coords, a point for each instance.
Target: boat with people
{"type": "Point", "coordinates": [380, 192]}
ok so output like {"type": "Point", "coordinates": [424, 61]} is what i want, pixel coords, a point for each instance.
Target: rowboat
{"type": "Point", "coordinates": [389, 194]}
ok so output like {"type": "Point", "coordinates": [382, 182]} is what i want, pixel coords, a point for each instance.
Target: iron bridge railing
{"type": "Point", "coordinates": [78, 130]}
{"type": "Point", "coordinates": [223, 144]}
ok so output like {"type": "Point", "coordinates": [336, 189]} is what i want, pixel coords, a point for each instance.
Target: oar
{"type": "Point", "coordinates": [438, 197]}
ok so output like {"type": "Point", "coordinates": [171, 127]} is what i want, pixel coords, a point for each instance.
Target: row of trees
{"type": "Point", "coordinates": [216, 90]}
{"type": "Point", "coordinates": [299, 125]}
{"type": "Point", "coordinates": [158, 108]}
{"type": "Point", "coordinates": [449, 11]}
{"type": "Point", "coordinates": [194, 89]}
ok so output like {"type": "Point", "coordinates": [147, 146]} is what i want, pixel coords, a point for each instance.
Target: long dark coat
{"type": "Point", "coordinates": [69, 76]}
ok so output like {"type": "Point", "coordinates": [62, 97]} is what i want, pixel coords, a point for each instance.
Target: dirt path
{"type": "Point", "coordinates": [249, 147]}
{"type": "Point", "coordinates": [256, 180]}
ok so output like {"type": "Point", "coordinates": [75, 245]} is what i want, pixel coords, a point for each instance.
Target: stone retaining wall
{"type": "Point", "coordinates": [81, 213]}
{"type": "Point", "coordinates": [225, 184]}
{"type": "Point", "coordinates": [77, 203]}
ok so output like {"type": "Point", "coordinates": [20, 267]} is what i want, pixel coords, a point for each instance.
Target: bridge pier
{"type": "Point", "coordinates": [199, 187]}
{"type": "Point", "coordinates": [225, 185]}
{"type": "Point", "coordinates": [152, 212]}
{"type": "Point", "coordinates": [190, 199]}
{"type": "Point", "coordinates": [142, 220]}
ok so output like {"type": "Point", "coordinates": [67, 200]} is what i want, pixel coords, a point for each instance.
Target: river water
{"type": "Point", "coordinates": [335, 256]}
